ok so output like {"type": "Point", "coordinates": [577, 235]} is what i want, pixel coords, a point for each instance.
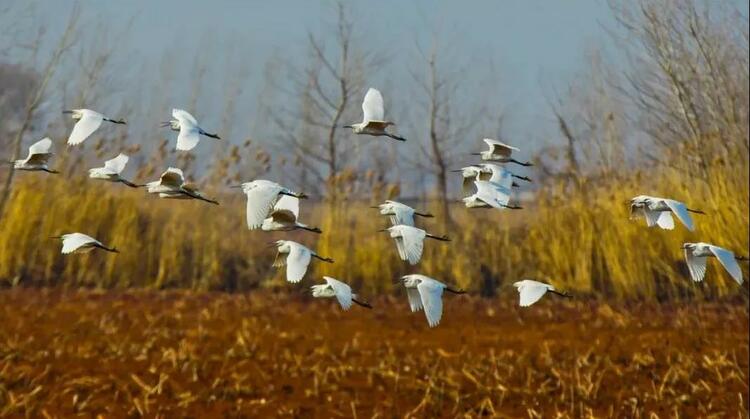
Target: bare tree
{"type": "Point", "coordinates": [35, 99]}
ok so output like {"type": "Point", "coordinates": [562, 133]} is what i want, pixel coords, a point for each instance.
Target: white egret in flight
{"type": "Point", "coordinates": [697, 253]}
{"type": "Point", "coordinates": [489, 195]}
{"type": "Point", "coordinates": [400, 214]}
{"type": "Point", "coordinates": [297, 259]}
{"type": "Point", "coordinates": [373, 122]}
{"type": "Point", "coordinates": [261, 196]}
{"type": "Point", "coordinates": [39, 154]}
{"type": "Point", "coordinates": [187, 125]}
{"type": "Point", "coordinates": [489, 172]}
{"type": "Point", "coordinates": [285, 216]}
{"type": "Point", "coordinates": [88, 122]}
{"type": "Point", "coordinates": [410, 241]}
{"type": "Point", "coordinates": [658, 211]}
{"type": "Point", "coordinates": [426, 293]}
{"type": "Point", "coordinates": [531, 291]}
{"type": "Point", "coordinates": [172, 185]}
{"type": "Point", "coordinates": [499, 152]}
{"type": "Point", "coordinates": [335, 288]}
{"type": "Point", "coordinates": [112, 171]}
{"type": "Point", "coordinates": [81, 243]}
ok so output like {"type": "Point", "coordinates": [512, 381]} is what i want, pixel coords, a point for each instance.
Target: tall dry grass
{"type": "Point", "coordinates": [578, 237]}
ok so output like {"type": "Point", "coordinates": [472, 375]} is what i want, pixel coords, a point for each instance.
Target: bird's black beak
{"type": "Point", "coordinates": [271, 244]}
{"type": "Point", "coordinates": [165, 124]}
{"type": "Point", "coordinates": [67, 111]}
{"type": "Point", "coordinates": [235, 186]}
{"type": "Point", "coordinates": [457, 171]}
{"type": "Point", "coordinates": [380, 231]}
{"type": "Point", "coordinates": [475, 154]}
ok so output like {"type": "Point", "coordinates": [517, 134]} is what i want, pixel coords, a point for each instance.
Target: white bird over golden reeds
{"type": "Point", "coordinates": [373, 121]}
{"type": "Point", "coordinates": [696, 255]}
{"type": "Point", "coordinates": [295, 257]}
{"type": "Point", "coordinates": [335, 288]}
{"type": "Point", "coordinates": [499, 152]}
{"type": "Point", "coordinates": [81, 243]}
{"type": "Point", "coordinates": [88, 122]}
{"type": "Point", "coordinates": [285, 216]}
{"type": "Point", "coordinates": [489, 195]}
{"type": "Point", "coordinates": [172, 185]}
{"type": "Point", "coordinates": [112, 171]}
{"type": "Point", "coordinates": [426, 293]}
{"type": "Point", "coordinates": [410, 241]}
{"type": "Point", "coordinates": [261, 197]}
{"type": "Point", "coordinates": [488, 172]}
{"type": "Point", "coordinates": [38, 158]}
{"type": "Point", "coordinates": [190, 131]}
{"type": "Point", "coordinates": [530, 291]}
{"type": "Point", "coordinates": [658, 211]}
{"type": "Point", "coordinates": [400, 214]}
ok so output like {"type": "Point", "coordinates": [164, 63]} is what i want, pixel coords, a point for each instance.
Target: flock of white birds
{"type": "Point", "coordinates": [273, 207]}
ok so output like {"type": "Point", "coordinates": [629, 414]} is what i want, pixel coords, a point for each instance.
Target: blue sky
{"type": "Point", "coordinates": [531, 45]}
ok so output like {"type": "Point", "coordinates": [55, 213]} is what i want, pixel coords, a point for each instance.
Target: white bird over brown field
{"type": "Point", "coordinates": [335, 288]}
{"type": "Point", "coordinates": [400, 214]}
{"type": "Point", "coordinates": [172, 185]}
{"type": "Point", "coordinates": [190, 131]}
{"type": "Point", "coordinates": [530, 291]}
{"type": "Point", "coordinates": [499, 152]}
{"type": "Point", "coordinates": [489, 195]}
{"type": "Point", "coordinates": [297, 259]}
{"type": "Point", "coordinates": [488, 172]}
{"type": "Point", "coordinates": [426, 293]}
{"type": "Point", "coordinates": [285, 216]}
{"type": "Point", "coordinates": [39, 155]}
{"type": "Point", "coordinates": [88, 122]}
{"type": "Point", "coordinates": [81, 243]}
{"type": "Point", "coordinates": [696, 255]}
{"type": "Point", "coordinates": [112, 170]}
{"type": "Point", "coordinates": [373, 121]}
{"type": "Point", "coordinates": [410, 241]}
{"type": "Point", "coordinates": [658, 211]}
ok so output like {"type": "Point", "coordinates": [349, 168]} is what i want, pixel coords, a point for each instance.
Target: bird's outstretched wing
{"type": "Point", "coordinates": [415, 300]}
{"type": "Point", "coordinates": [279, 260]}
{"type": "Point", "coordinates": [652, 217]}
{"type": "Point", "coordinates": [85, 126]}
{"type": "Point", "coordinates": [172, 177]}
{"type": "Point", "coordinates": [680, 210]}
{"type": "Point", "coordinates": [39, 152]}
{"type": "Point", "coordinates": [696, 265]}
{"type": "Point", "coordinates": [297, 262]}
{"type": "Point", "coordinates": [727, 260]}
{"type": "Point", "coordinates": [412, 241]}
{"type": "Point", "coordinates": [491, 194]}
{"type": "Point", "coordinates": [500, 148]}
{"type": "Point", "coordinates": [289, 203]}
{"type": "Point", "coordinates": [189, 134]}
{"type": "Point", "coordinates": [73, 241]}
{"type": "Point", "coordinates": [260, 200]}
{"type": "Point", "coordinates": [342, 290]}
{"type": "Point", "coordinates": [402, 216]}
{"type": "Point", "coordinates": [500, 176]}
{"type": "Point", "coordinates": [664, 220]}
{"type": "Point", "coordinates": [116, 165]}
{"type": "Point", "coordinates": [372, 106]}
{"type": "Point", "coordinates": [531, 292]}
{"type": "Point", "coordinates": [431, 293]}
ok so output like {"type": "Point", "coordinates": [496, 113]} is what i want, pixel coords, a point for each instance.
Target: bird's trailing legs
{"type": "Point", "coordinates": [455, 291]}
{"type": "Point", "coordinates": [300, 195]}
{"type": "Point", "coordinates": [313, 229]}
{"type": "Point", "coordinates": [695, 211]}
{"type": "Point", "coordinates": [395, 137]}
{"type": "Point", "coordinates": [513, 207]}
{"type": "Point", "coordinates": [51, 171]}
{"type": "Point", "coordinates": [118, 121]}
{"type": "Point", "coordinates": [522, 178]}
{"type": "Point", "coordinates": [329, 260]}
{"type": "Point", "coordinates": [109, 249]}
{"type": "Point", "coordinates": [561, 294]}
{"type": "Point", "coordinates": [131, 184]}
{"type": "Point", "coordinates": [424, 214]}
{"type": "Point", "coordinates": [199, 197]}
{"type": "Point", "coordinates": [361, 303]}
{"type": "Point", "coordinates": [742, 258]}
{"type": "Point", "coordinates": [525, 164]}
{"type": "Point", "coordinates": [441, 238]}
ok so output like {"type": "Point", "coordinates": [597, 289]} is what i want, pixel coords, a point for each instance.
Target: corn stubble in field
{"type": "Point", "coordinates": [180, 353]}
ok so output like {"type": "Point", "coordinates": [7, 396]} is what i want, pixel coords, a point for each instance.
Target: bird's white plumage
{"type": "Point", "coordinates": [531, 291]}
{"type": "Point", "coordinates": [343, 292]}
{"type": "Point", "coordinates": [89, 122]}
{"type": "Point", "coordinates": [696, 265]}
{"type": "Point", "coordinates": [415, 300]}
{"type": "Point", "coordinates": [42, 146]}
{"type": "Point", "coordinates": [431, 293]}
{"type": "Point", "coordinates": [297, 262]}
{"type": "Point", "coordinates": [372, 106]}
{"type": "Point", "coordinates": [499, 175]}
{"type": "Point", "coordinates": [680, 210]}
{"type": "Point", "coordinates": [261, 196]}
{"type": "Point", "coordinates": [499, 148]}
{"type": "Point", "coordinates": [288, 203]}
{"type": "Point", "coordinates": [491, 194]}
{"type": "Point", "coordinates": [409, 242]}
{"type": "Point", "coordinates": [727, 260]}
{"type": "Point", "coordinates": [189, 135]}
{"type": "Point", "coordinates": [399, 214]}
{"type": "Point", "coordinates": [77, 242]}
{"type": "Point", "coordinates": [39, 154]}
{"type": "Point", "coordinates": [116, 165]}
